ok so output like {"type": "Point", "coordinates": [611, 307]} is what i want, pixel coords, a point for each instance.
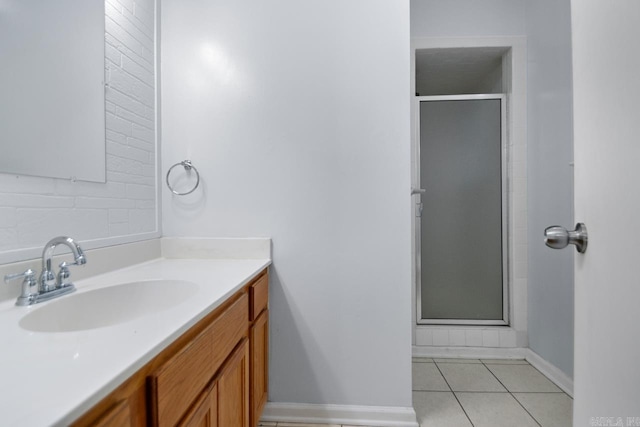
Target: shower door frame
{"type": "Point", "coordinates": [504, 171]}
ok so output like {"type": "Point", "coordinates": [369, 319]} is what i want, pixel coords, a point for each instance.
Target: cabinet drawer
{"type": "Point", "coordinates": [259, 296]}
{"type": "Point", "coordinates": [176, 385]}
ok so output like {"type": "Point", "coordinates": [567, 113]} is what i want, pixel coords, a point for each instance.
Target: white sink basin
{"type": "Point", "coordinates": [107, 306]}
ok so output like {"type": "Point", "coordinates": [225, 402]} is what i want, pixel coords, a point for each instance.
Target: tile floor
{"type": "Point", "coordinates": [479, 393]}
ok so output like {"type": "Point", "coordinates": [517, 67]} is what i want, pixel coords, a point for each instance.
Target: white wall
{"type": "Point", "coordinates": [467, 18]}
{"type": "Point", "coordinates": [33, 209]}
{"type": "Point", "coordinates": [550, 117]}
{"type": "Point", "coordinates": [273, 103]}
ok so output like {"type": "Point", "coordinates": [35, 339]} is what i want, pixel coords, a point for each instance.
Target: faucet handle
{"type": "Point", "coordinates": [27, 297]}
{"type": "Point", "coordinates": [64, 274]}
{"type": "Point", "coordinates": [28, 275]}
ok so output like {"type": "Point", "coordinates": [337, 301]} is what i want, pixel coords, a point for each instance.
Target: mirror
{"type": "Point", "coordinates": [52, 101]}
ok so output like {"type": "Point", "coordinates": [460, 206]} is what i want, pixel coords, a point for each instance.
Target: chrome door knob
{"type": "Point", "coordinates": [557, 237]}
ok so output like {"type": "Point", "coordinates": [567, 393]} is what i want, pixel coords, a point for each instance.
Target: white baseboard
{"type": "Point", "coordinates": [561, 379]}
{"type": "Point", "coordinates": [382, 416]}
{"type": "Point", "coordinates": [470, 352]}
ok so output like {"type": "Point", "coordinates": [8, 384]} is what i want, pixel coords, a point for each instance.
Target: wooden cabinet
{"type": "Point", "coordinates": [258, 296]}
{"type": "Point", "coordinates": [205, 411]}
{"type": "Point", "coordinates": [180, 380]}
{"type": "Point", "coordinates": [215, 374]}
{"type": "Point", "coordinates": [259, 365]}
{"type": "Point", "coordinates": [259, 334]}
{"type": "Point", "coordinates": [226, 401]}
{"type": "Point", "coordinates": [233, 389]}
{"type": "Point", "coordinates": [116, 416]}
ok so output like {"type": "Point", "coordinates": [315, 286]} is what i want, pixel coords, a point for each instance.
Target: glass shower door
{"type": "Point", "coordinates": [462, 230]}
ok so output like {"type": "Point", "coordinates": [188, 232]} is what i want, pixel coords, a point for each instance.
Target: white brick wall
{"type": "Point", "coordinates": [125, 209]}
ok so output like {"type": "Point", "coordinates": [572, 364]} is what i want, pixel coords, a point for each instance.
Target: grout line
{"type": "Point", "coordinates": [454, 394]}
{"type": "Point", "coordinates": [502, 363]}
{"type": "Point", "coordinates": [482, 392]}
{"type": "Point", "coordinates": [556, 385]}
{"type": "Point", "coordinates": [526, 410]}
{"type": "Point", "coordinates": [511, 394]}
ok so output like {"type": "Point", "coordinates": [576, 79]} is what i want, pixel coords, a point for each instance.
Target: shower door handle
{"type": "Point", "coordinates": [419, 205]}
{"type": "Point", "coordinates": [558, 237]}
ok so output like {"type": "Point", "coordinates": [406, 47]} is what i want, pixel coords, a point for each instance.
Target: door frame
{"type": "Point", "coordinates": [504, 190]}
{"type": "Point", "coordinates": [515, 75]}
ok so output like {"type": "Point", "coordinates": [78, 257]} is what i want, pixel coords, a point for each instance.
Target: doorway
{"type": "Point", "coordinates": [478, 66]}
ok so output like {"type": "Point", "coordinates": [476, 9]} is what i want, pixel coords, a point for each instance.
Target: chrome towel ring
{"type": "Point", "coordinates": [187, 167]}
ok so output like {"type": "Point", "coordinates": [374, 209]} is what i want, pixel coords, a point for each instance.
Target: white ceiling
{"type": "Point", "coordinates": [458, 70]}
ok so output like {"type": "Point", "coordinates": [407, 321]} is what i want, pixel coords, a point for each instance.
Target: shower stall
{"type": "Point", "coordinates": [461, 210]}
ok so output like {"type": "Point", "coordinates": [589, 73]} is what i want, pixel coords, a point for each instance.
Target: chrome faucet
{"type": "Point", "coordinates": [48, 286]}
{"type": "Point", "coordinates": [48, 280]}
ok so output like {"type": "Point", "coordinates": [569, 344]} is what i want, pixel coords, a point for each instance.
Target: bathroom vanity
{"type": "Point", "coordinates": [215, 374]}
{"type": "Point", "coordinates": [200, 359]}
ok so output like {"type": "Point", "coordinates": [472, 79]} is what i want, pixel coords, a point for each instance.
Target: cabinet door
{"type": "Point", "coordinates": [259, 365]}
{"type": "Point", "coordinates": [205, 411]}
{"type": "Point", "coordinates": [233, 389]}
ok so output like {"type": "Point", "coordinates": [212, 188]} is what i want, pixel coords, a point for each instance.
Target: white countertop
{"type": "Point", "coordinates": [53, 378]}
